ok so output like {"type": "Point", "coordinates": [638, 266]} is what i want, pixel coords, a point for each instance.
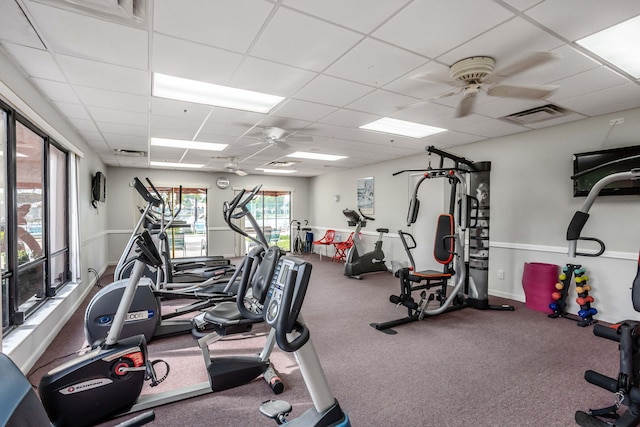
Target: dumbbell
{"type": "Point", "coordinates": [584, 300]}
{"type": "Point", "coordinates": [588, 312]}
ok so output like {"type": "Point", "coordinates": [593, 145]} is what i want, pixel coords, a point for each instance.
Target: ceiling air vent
{"type": "Point", "coordinates": [538, 114]}
{"type": "Point", "coordinates": [127, 11]}
{"type": "Point", "coordinates": [130, 153]}
{"type": "Point", "coordinates": [280, 164]}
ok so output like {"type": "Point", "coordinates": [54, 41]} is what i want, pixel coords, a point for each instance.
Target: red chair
{"type": "Point", "coordinates": [342, 248]}
{"type": "Point", "coordinates": [326, 240]}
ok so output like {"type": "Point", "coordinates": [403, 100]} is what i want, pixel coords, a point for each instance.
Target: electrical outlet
{"type": "Point", "coordinates": [617, 121]}
{"type": "Point", "coordinates": [501, 274]}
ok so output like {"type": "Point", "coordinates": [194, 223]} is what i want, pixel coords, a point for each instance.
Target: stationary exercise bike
{"type": "Point", "coordinates": [358, 262]}
{"type": "Point", "coordinates": [297, 243]}
{"type": "Point", "coordinates": [107, 380]}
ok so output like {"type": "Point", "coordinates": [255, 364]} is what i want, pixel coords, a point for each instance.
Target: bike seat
{"type": "Point", "coordinates": [382, 230]}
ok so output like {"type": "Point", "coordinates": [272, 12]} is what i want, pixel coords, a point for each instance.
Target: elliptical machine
{"type": "Point", "coordinates": [358, 262]}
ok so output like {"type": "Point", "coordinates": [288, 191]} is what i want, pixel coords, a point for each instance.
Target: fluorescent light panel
{"type": "Point", "coordinates": [277, 170]}
{"type": "Point", "coordinates": [207, 93]}
{"type": "Point", "coordinates": [402, 128]}
{"type": "Point", "coordinates": [177, 165]}
{"type": "Point", "coordinates": [618, 45]}
{"type": "Point", "coordinates": [192, 145]}
{"type": "Point", "coordinates": [316, 156]}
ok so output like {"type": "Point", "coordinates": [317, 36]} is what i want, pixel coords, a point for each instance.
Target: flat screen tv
{"type": "Point", "coordinates": [611, 161]}
{"type": "Point", "coordinates": [99, 188]}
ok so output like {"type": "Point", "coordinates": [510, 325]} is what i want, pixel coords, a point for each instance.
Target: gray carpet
{"type": "Point", "coordinates": [469, 367]}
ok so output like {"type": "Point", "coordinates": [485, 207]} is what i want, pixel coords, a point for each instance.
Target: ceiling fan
{"type": "Point", "coordinates": [276, 136]}
{"type": "Point", "coordinates": [477, 74]}
{"type": "Point", "coordinates": [231, 166]}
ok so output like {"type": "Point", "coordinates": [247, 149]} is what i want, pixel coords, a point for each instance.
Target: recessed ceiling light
{"type": "Point", "coordinates": [316, 156]}
{"type": "Point", "coordinates": [276, 170]}
{"type": "Point", "coordinates": [192, 145]}
{"type": "Point", "coordinates": [402, 128]}
{"type": "Point", "coordinates": [177, 165]}
{"type": "Point", "coordinates": [207, 93]}
{"type": "Point", "coordinates": [618, 45]}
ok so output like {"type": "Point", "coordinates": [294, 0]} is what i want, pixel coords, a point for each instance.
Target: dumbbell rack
{"type": "Point", "coordinates": [559, 305]}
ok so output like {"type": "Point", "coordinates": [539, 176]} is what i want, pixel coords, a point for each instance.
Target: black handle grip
{"type": "Point", "coordinates": [283, 321]}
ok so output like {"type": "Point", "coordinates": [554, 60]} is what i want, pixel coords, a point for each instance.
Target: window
{"type": "Point", "coordinates": [34, 233]}
{"type": "Point", "coordinates": [271, 210]}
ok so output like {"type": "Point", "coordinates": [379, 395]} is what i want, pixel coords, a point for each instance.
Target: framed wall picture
{"type": "Point", "coordinates": [364, 188]}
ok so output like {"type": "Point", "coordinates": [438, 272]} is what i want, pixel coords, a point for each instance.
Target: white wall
{"type": "Point", "coordinates": [531, 206]}
{"type": "Point", "coordinates": [25, 344]}
{"type": "Point", "coordinates": [122, 213]}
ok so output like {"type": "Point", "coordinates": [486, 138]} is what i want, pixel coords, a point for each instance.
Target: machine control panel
{"type": "Point", "coordinates": [291, 276]}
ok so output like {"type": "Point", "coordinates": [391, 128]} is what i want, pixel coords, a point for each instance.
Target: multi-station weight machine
{"type": "Point", "coordinates": [461, 245]}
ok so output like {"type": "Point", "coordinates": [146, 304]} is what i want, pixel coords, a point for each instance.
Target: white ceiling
{"type": "Point", "coordinates": [340, 64]}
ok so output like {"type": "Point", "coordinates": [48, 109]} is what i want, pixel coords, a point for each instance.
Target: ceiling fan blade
{"type": "Point", "coordinates": [465, 106]}
{"type": "Point", "coordinates": [530, 61]}
{"type": "Point", "coordinates": [526, 92]}
{"type": "Point", "coordinates": [300, 138]}
{"type": "Point", "coordinates": [240, 172]}
{"type": "Point", "coordinates": [282, 145]}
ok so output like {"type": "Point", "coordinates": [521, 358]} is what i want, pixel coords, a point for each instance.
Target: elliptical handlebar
{"type": "Point", "coordinates": [581, 216]}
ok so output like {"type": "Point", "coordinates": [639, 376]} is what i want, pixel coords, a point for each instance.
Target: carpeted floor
{"type": "Point", "coordinates": [469, 367]}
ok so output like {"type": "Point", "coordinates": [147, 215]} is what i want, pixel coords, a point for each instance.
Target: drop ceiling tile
{"type": "Point", "coordinates": [375, 63]}
{"type": "Point", "coordinates": [349, 118]}
{"type": "Point", "coordinates": [179, 109]}
{"type": "Point", "coordinates": [57, 91]}
{"type": "Point", "coordinates": [380, 140]}
{"type": "Point", "coordinates": [574, 19]}
{"type": "Point", "coordinates": [114, 100]}
{"type": "Point", "coordinates": [226, 24]}
{"type": "Point", "coordinates": [606, 100]}
{"type": "Point", "coordinates": [380, 102]}
{"type": "Point", "coordinates": [188, 127]}
{"type": "Point", "coordinates": [332, 91]}
{"type": "Point", "coordinates": [452, 138]}
{"type": "Point", "coordinates": [36, 62]}
{"type": "Point", "coordinates": [72, 110]}
{"type": "Point", "coordinates": [122, 129]}
{"type": "Point", "coordinates": [269, 77]}
{"type": "Point", "coordinates": [424, 82]}
{"type": "Point", "coordinates": [15, 27]}
{"type": "Point", "coordinates": [523, 4]}
{"type": "Point", "coordinates": [431, 28]}
{"type": "Point", "coordinates": [292, 38]}
{"type": "Point", "coordinates": [84, 124]}
{"type": "Point", "coordinates": [504, 43]}
{"type": "Point", "coordinates": [350, 13]}
{"type": "Point", "coordinates": [492, 128]}
{"type": "Point", "coordinates": [194, 61]}
{"type": "Point", "coordinates": [132, 162]}
{"type": "Point", "coordinates": [104, 76]}
{"type": "Point", "coordinates": [107, 115]}
{"type": "Point", "coordinates": [425, 113]}
{"type": "Point", "coordinates": [587, 82]}
{"type": "Point", "coordinates": [101, 40]}
{"type": "Point", "coordinates": [130, 142]}
{"type": "Point", "coordinates": [303, 110]}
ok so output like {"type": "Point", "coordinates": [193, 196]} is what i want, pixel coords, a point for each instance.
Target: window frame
{"type": "Point", "coordinates": [17, 314]}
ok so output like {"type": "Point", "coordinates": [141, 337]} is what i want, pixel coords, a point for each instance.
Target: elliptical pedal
{"type": "Point", "coordinates": [277, 410]}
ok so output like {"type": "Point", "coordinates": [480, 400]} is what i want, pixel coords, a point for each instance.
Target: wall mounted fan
{"type": "Point", "coordinates": [477, 74]}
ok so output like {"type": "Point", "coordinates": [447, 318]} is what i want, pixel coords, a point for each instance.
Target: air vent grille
{"type": "Point", "coordinates": [127, 11]}
{"type": "Point", "coordinates": [130, 153]}
{"type": "Point", "coordinates": [538, 114]}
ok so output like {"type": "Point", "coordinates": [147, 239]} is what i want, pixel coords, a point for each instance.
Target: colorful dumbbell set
{"type": "Point", "coordinates": [584, 300]}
